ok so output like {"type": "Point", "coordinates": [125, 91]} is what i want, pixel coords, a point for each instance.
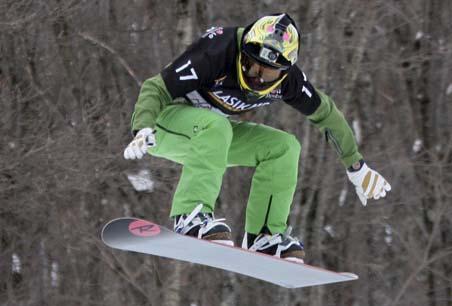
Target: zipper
{"type": "Point", "coordinates": [266, 215]}
{"type": "Point", "coordinates": [172, 132]}
{"type": "Point", "coordinates": [329, 136]}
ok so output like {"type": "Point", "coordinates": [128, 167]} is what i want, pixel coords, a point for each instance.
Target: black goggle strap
{"type": "Point", "coordinates": [280, 29]}
{"type": "Point", "coordinates": [281, 25]}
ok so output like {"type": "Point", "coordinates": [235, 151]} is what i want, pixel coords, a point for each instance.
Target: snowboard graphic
{"type": "Point", "coordinates": [136, 235]}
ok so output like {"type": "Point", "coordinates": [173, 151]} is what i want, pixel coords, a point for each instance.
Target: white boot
{"type": "Point", "coordinates": [203, 226]}
{"type": "Point", "coordinates": [280, 245]}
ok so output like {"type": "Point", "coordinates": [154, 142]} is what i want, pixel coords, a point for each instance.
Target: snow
{"type": "Point", "coordinates": [330, 230]}
{"type": "Point", "coordinates": [127, 210]}
{"type": "Point", "coordinates": [419, 35]}
{"type": "Point", "coordinates": [449, 89]}
{"type": "Point", "coordinates": [342, 197]}
{"type": "Point", "coordinates": [388, 234]}
{"type": "Point", "coordinates": [417, 145]}
{"type": "Point", "coordinates": [54, 274]}
{"type": "Point", "coordinates": [142, 181]}
{"type": "Point", "coordinates": [357, 131]}
{"type": "Point", "coordinates": [133, 35]}
{"type": "Point", "coordinates": [16, 265]}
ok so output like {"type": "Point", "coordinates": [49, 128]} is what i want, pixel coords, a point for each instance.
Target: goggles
{"type": "Point", "coordinates": [258, 76]}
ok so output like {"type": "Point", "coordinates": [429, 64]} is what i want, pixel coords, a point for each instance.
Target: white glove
{"type": "Point", "coordinates": [144, 139]}
{"type": "Point", "coordinates": [369, 184]}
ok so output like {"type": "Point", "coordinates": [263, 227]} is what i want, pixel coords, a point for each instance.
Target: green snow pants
{"type": "Point", "coordinates": [206, 143]}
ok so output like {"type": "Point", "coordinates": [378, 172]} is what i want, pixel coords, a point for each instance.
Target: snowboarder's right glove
{"type": "Point", "coordinates": [368, 184]}
{"type": "Point", "coordinates": [144, 139]}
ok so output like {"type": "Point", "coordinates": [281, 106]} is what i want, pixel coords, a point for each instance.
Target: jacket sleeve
{"type": "Point", "coordinates": [153, 97]}
{"type": "Point", "coordinates": [337, 131]}
{"type": "Point", "coordinates": [323, 113]}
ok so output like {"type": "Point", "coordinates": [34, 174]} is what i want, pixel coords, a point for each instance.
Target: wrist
{"type": "Point", "coordinates": [145, 131]}
{"type": "Point", "coordinates": [355, 167]}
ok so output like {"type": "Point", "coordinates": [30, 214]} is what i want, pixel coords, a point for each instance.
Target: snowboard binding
{"type": "Point", "coordinates": [203, 226]}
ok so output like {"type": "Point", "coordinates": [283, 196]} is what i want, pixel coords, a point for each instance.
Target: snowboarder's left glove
{"type": "Point", "coordinates": [368, 184]}
{"type": "Point", "coordinates": [144, 139]}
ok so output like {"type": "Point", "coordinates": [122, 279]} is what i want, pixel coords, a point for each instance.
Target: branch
{"type": "Point", "coordinates": [112, 51]}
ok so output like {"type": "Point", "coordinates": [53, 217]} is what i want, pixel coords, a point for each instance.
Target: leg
{"type": "Point", "coordinates": [275, 155]}
{"type": "Point", "coordinates": [199, 139]}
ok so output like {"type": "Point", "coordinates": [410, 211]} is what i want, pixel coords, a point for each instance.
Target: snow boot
{"type": "Point", "coordinates": [203, 226]}
{"type": "Point", "coordinates": [280, 245]}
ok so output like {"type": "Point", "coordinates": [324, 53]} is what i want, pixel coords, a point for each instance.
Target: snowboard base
{"type": "Point", "coordinates": [137, 235]}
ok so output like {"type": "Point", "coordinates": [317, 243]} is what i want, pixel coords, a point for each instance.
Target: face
{"type": "Point", "coordinates": [258, 76]}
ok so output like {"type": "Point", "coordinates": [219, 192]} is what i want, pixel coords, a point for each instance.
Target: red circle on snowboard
{"type": "Point", "coordinates": [144, 228]}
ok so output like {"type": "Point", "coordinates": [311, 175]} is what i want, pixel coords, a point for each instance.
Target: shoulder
{"type": "Point", "coordinates": [299, 92]}
{"type": "Point", "coordinates": [220, 34]}
{"type": "Point", "coordinates": [294, 82]}
{"type": "Point", "coordinates": [218, 40]}
{"type": "Point", "coordinates": [202, 62]}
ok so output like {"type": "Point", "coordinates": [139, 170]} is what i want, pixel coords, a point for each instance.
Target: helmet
{"type": "Point", "coordinates": [269, 48]}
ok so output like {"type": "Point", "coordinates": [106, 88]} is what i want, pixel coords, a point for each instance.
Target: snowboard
{"type": "Point", "coordinates": [142, 236]}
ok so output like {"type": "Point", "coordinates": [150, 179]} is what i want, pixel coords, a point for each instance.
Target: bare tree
{"type": "Point", "coordinates": [70, 72]}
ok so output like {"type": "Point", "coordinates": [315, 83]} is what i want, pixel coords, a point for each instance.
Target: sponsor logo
{"type": "Point", "coordinates": [233, 103]}
{"type": "Point", "coordinates": [143, 228]}
{"type": "Point", "coordinates": [213, 32]}
{"type": "Point", "coordinates": [275, 94]}
{"type": "Point", "coordinates": [219, 82]}
{"type": "Point", "coordinates": [198, 101]}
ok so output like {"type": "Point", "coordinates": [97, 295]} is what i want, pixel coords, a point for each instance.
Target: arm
{"type": "Point", "coordinates": [152, 99]}
{"type": "Point", "coordinates": [368, 182]}
{"type": "Point", "coordinates": [332, 123]}
{"type": "Point", "coordinates": [193, 69]}
{"type": "Point", "coordinates": [199, 65]}
{"type": "Point", "coordinates": [323, 113]}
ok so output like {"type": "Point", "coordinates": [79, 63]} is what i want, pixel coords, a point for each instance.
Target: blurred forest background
{"type": "Point", "coordinates": [70, 73]}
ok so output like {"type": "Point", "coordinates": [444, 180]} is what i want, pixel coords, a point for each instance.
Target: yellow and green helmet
{"type": "Point", "coordinates": [272, 41]}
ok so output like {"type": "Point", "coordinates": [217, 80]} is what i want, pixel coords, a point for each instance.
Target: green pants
{"type": "Point", "coordinates": [206, 143]}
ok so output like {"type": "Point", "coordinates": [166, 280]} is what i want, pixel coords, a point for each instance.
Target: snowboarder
{"type": "Point", "coordinates": [183, 114]}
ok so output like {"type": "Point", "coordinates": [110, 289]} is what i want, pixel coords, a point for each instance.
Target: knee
{"type": "Point", "coordinates": [281, 146]}
{"type": "Point", "coordinates": [294, 144]}
{"type": "Point", "coordinates": [219, 127]}
{"type": "Point", "coordinates": [289, 143]}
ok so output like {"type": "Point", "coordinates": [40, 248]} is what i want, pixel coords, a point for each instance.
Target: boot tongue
{"type": "Point", "coordinates": [205, 216]}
